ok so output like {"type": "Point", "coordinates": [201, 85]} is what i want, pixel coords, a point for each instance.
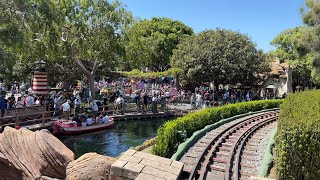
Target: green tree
{"type": "Point", "coordinates": [150, 43]}
{"type": "Point", "coordinates": [222, 56]}
{"type": "Point", "coordinates": [311, 17]}
{"type": "Point", "coordinates": [86, 34]}
{"type": "Point", "coordinates": [11, 35]}
{"type": "Point", "coordinates": [90, 35]}
{"type": "Point", "coordinates": [293, 45]}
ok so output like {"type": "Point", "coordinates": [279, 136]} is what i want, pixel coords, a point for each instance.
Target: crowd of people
{"type": "Point", "coordinates": [146, 94]}
{"type": "Point", "coordinates": [89, 120]}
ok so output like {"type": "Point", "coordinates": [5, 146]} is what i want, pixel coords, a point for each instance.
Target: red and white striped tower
{"type": "Point", "coordinates": [39, 85]}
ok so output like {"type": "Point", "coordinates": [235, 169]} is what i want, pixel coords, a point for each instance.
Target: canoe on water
{"type": "Point", "coordinates": [64, 127]}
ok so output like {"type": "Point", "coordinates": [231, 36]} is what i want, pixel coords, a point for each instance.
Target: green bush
{"type": "Point", "coordinates": [135, 73]}
{"type": "Point", "coordinates": [168, 139]}
{"type": "Point", "coordinates": [298, 137]}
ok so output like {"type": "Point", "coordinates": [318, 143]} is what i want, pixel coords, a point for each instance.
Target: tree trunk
{"type": "Point", "coordinates": [176, 81]}
{"type": "Point", "coordinates": [90, 76]}
{"type": "Point", "coordinates": [92, 93]}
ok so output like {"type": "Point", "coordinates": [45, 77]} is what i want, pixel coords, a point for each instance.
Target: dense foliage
{"type": "Point", "coordinates": [66, 34]}
{"type": "Point", "coordinates": [297, 140]}
{"type": "Point", "coordinates": [311, 18]}
{"type": "Point", "coordinates": [138, 74]}
{"type": "Point", "coordinates": [168, 138]}
{"type": "Point", "coordinates": [149, 43]}
{"type": "Point", "coordinates": [219, 55]}
{"type": "Point", "coordinates": [293, 45]}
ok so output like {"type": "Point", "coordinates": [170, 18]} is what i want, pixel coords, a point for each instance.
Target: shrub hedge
{"type": "Point", "coordinates": [168, 139]}
{"type": "Point", "coordinates": [298, 137]}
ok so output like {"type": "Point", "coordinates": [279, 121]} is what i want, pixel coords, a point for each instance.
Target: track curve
{"type": "Point", "coordinates": [222, 157]}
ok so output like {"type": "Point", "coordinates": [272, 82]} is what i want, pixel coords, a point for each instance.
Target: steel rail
{"type": "Point", "coordinates": [217, 141]}
{"type": "Point", "coordinates": [239, 145]}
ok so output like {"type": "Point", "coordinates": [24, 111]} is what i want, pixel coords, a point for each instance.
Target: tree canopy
{"type": "Point", "coordinates": [135, 73]}
{"type": "Point", "coordinates": [65, 33]}
{"type": "Point", "coordinates": [149, 43]}
{"type": "Point", "coordinates": [220, 55]}
{"type": "Point", "coordinates": [311, 17]}
{"type": "Point", "coordinates": [293, 45]}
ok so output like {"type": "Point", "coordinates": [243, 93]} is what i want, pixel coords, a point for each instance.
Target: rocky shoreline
{"type": "Point", "coordinates": [40, 155]}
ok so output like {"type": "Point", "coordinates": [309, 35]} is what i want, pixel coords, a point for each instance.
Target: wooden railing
{"type": "Point", "coordinates": [38, 114]}
{"type": "Point", "coordinates": [23, 116]}
{"type": "Point", "coordinates": [20, 111]}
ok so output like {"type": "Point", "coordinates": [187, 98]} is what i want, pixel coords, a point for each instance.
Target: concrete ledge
{"type": "Point", "coordinates": [267, 158]}
{"type": "Point", "coordinates": [143, 166]}
{"type": "Point", "coordinates": [143, 176]}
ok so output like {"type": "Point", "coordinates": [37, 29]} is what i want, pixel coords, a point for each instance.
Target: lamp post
{"type": "Point", "coordinates": [40, 66]}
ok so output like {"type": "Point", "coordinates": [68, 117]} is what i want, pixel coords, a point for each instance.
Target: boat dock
{"type": "Point", "coordinates": [116, 117]}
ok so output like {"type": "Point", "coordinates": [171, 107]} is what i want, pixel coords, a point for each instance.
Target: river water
{"type": "Point", "coordinates": [112, 142]}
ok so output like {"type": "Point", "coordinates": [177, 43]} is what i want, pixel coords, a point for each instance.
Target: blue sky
{"type": "Point", "coordinates": [261, 20]}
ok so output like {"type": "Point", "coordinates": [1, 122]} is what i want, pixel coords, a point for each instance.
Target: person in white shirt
{"type": "Point", "coordinates": [57, 106]}
{"type": "Point", "coordinates": [19, 103]}
{"type": "Point", "coordinates": [99, 119]}
{"type": "Point", "coordinates": [154, 104]}
{"type": "Point", "coordinates": [37, 102]}
{"type": "Point", "coordinates": [29, 101]}
{"type": "Point", "coordinates": [106, 119]}
{"type": "Point", "coordinates": [77, 103]}
{"type": "Point", "coordinates": [84, 124]}
{"type": "Point", "coordinates": [120, 104]}
{"type": "Point", "coordinates": [66, 109]}
{"type": "Point", "coordinates": [94, 108]}
{"type": "Point", "coordinates": [89, 121]}
{"type": "Point", "coordinates": [198, 100]}
{"type": "Point", "coordinates": [248, 98]}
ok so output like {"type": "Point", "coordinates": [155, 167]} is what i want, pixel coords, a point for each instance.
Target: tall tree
{"type": "Point", "coordinates": [11, 35]}
{"type": "Point", "coordinates": [219, 55]}
{"type": "Point", "coordinates": [83, 33]}
{"type": "Point", "coordinates": [91, 33]}
{"type": "Point", "coordinates": [150, 43]}
{"type": "Point", "coordinates": [293, 45]}
{"type": "Point", "coordinates": [311, 17]}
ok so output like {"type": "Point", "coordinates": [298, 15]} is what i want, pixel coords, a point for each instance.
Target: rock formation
{"type": "Point", "coordinates": [90, 166]}
{"type": "Point", "coordinates": [31, 155]}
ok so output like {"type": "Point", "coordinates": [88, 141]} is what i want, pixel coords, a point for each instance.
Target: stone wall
{"type": "Point", "coordinates": [142, 166]}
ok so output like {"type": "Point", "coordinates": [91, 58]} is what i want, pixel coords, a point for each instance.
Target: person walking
{"type": "Point", "coordinates": [248, 98]}
{"type": "Point", "coordinates": [145, 103]}
{"type": "Point", "coordinates": [137, 100]}
{"type": "Point", "coordinates": [193, 101]}
{"type": "Point", "coordinates": [77, 104]}
{"type": "Point", "coordinates": [66, 109]}
{"type": "Point", "coordinates": [19, 103]}
{"type": "Point", "coordinates": [95, 109]}
{"type": "Point", "coordinates": [154, 103]}
{"type": "Point", "coordinates": [56, 106]}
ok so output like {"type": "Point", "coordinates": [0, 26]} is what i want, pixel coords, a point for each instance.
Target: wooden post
{"type": "Point", "coordinates": [17, 120]}
{"type": "Point", "coordinates": [43, 118]}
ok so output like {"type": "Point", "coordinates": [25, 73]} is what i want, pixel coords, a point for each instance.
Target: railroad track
{"type": "Point", "coordinates": [231, 151]}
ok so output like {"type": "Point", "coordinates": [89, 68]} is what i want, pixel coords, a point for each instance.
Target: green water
{"type": "Point", "coordinates": [112, 142]}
